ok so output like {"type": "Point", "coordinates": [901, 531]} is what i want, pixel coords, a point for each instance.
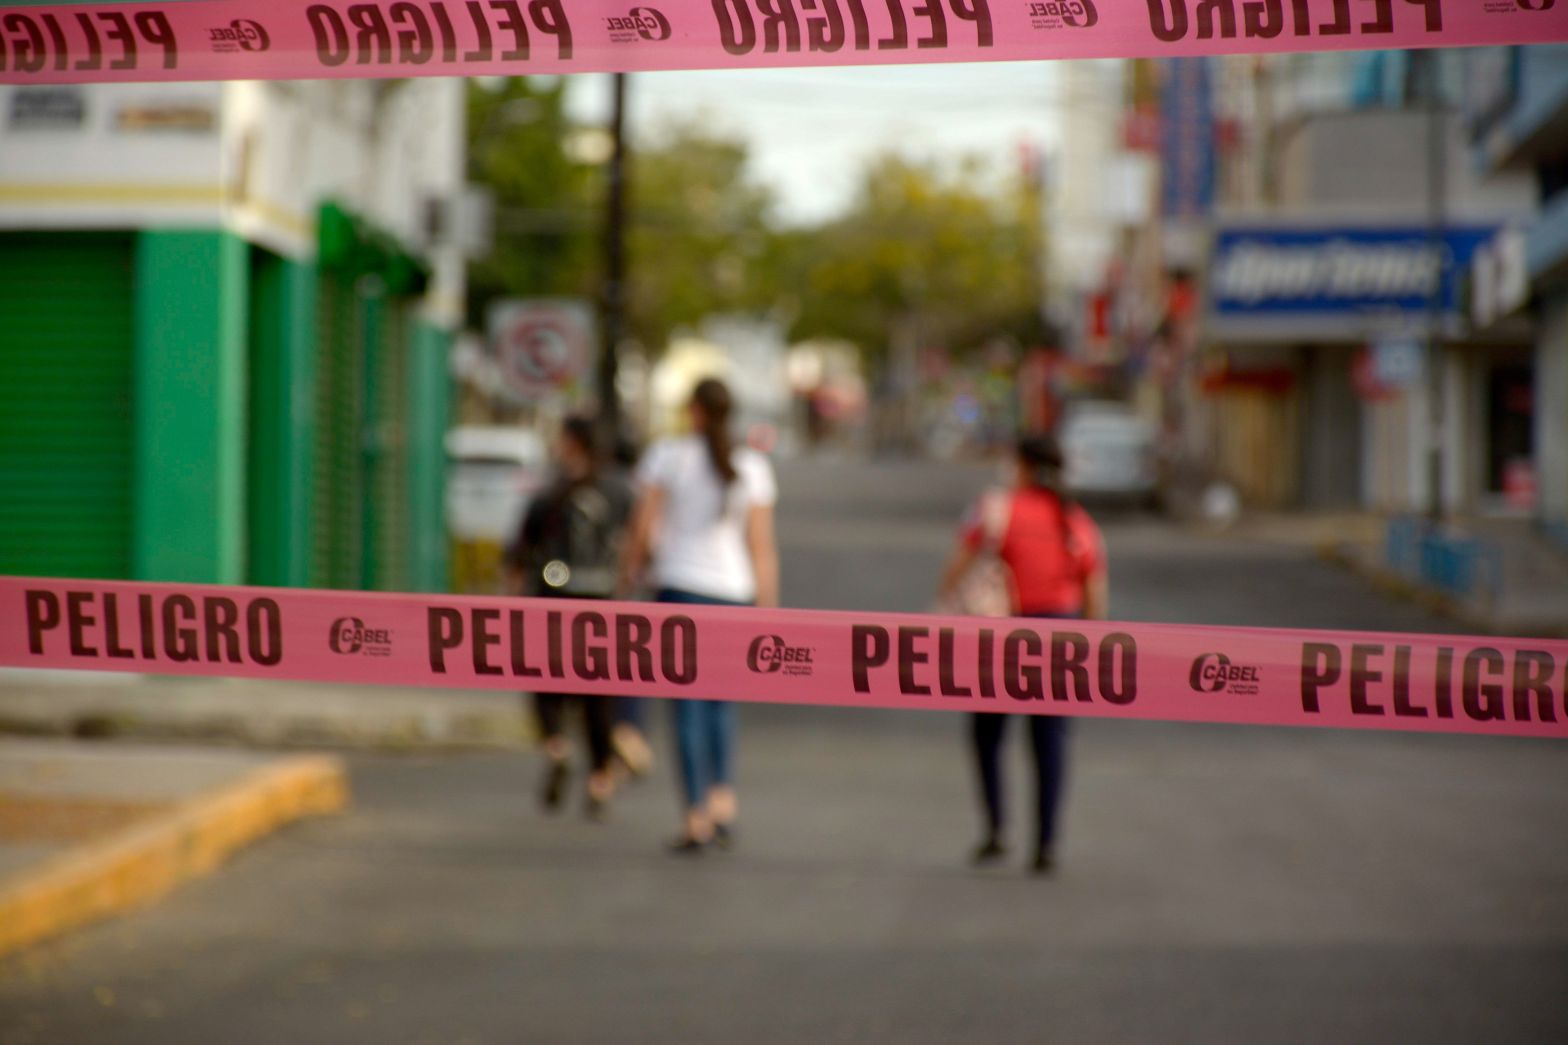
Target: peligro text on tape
{"type": "Point", "coordinates": [293, 39]}
{"type": "Point", "coordinates": [1258, 676]}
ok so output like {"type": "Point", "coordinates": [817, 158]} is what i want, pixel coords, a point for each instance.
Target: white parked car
{"type": "Point", "coordinates": [1108, 451]}
{"type": "Point", "coordinates": [494, 473]}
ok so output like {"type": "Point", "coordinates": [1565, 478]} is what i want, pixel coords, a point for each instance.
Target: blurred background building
{"type": "Point", "coordinates": [1321, 282]}
{"type": "Point", "coordinates": [1299, 312]}
{"type": "Point", "coordinates": [228, 311]}
{"type": "Point", "coordinates": [1517, 121]}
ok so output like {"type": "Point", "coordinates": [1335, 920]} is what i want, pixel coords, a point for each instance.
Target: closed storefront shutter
{"type": "Point", "coordinates": [387, 453]}
{"type": "Point", "coordinates": [338, 496]}
{"type": "Point", "coordinates": [362, 519]}
{"type": "Point", "coordinates": [67, 336]}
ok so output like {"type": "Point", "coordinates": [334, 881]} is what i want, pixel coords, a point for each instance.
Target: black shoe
{"type": "Point", "coordinates": [1044, 862]}
{"type": "Point", "coordinates": [989, 852]}
{"type": "Point", "coordinates": [554, 791]}
{"type": "Point", "coordinates": [686, 845]}
{"type": "Point", "coordinates": [724, 836]}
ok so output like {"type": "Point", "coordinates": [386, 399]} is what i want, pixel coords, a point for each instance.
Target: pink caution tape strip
{"type": "Point", "coordinates": [296, 39]}
{"type": "Point", "coordinates": [1254, 676]}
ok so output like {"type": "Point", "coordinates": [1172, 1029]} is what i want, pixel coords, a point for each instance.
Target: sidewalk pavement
{"type": "Point", "coordinates": [88, 831]}
{"type": "Point", "coordinates": [271, 714]}
{"type": "Point", "coordinates": [1519, 583]}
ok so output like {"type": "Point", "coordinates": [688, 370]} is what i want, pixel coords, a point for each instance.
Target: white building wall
{"type": "Point", "coordinates": [271, 155]}
{"type": "Point", "coordinates": [1390, 475]}
{"type": "Point", "coordinates": [265, 160]}
{"type": "Point", "coordinates": [1090, 191]}
{"type": "Point", "coordinates": [116, 169]}
{"type": "Point", "coordinates": [1388, 179]}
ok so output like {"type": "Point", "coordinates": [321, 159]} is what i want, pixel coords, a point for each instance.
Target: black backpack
{"type": "Point", "coordinates": [572, 540]}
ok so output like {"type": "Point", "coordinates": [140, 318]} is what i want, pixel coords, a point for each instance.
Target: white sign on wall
{"type": "Point", "coordinates": [544, 346]}
{"type": "Point", "coordinates": [1398, 362]}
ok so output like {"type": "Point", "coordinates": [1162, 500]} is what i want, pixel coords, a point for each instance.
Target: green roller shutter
{"type": "Point", "coordinates": [282, 418]}
{"type": "Point", "coordinates": [338, 495]}
{"type": "Point", "coordinates": [363, 515]}
{"type": "Point", "coordinates": [67, 332]}
{"type": "Point", "coordinates": [386, 449]}
{"type": "Point", "coordinates": [430, 395]}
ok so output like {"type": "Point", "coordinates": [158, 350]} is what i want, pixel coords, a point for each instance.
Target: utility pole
{"type": "Point", "coordinates": [614, 305]}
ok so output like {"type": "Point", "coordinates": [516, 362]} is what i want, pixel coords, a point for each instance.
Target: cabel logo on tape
{"type": "Point", "coordinates": [1253, 676]}
{"type": "Point", "coordinates": [770, 653]}
{"type": "Point", "coordinates": [349, 635]}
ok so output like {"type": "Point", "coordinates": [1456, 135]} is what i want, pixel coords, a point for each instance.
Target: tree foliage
{"type": "Point", "coordinates": [545, 234]}
{"type": "Point", "coordinates": [704, 237]}
{"type": "Point", "coordinates": [937, 253]}
{"type": "Point", "coordinates": [943, 254]}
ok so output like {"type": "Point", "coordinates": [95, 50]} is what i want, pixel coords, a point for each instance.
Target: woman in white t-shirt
{"type": "Point", "coordinates": [704, 522]}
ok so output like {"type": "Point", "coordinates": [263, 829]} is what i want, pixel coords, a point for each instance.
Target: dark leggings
{"type": "Point", "coordinates": [1048, 736]}
{"type": "Point", "coordinates": [551, 709]}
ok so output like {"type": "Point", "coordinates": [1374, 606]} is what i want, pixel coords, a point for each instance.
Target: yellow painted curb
{"type": "Point", "coordinates": [141, 863]}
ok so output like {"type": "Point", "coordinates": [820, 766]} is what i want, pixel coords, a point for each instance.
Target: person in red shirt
{"type": "Point", "coordinates": [1055, 557]}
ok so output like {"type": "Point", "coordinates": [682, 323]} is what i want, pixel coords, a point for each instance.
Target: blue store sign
{"type": "Point", "coordinates": [1331, 282]}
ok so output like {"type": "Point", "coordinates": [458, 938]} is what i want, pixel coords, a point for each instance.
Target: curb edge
{"type": "Point", "coordinates": [140, 864]}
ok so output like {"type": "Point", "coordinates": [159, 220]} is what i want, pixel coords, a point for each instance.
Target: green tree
{"type": "Point", "coordinates": [703, 237]}
{"type": "Point", "coordinates": [546, 213]}
{"type": "Point", "coordinates": [927, 253]}
{"type": "Point", "coordinates": [936, 254]}
{"type": "Point", "coordinates": [700, 229]}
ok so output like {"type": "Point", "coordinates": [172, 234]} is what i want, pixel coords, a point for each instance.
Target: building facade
{"type": "Point", "coordinates": [1333, 365]}
{"type": "Point", "coordinates": [228, 311]}
{"type": "Point", "coordinates": [1517, 117]}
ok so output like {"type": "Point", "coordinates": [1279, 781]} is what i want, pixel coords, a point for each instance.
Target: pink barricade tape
{"type": "Point", "coordinates": [1254, 676]}
{"type": "Point", "coordinates": [298, 39]}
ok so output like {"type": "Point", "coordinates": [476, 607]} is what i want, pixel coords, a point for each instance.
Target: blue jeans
{"type": "Point", "coordinates": [704, 729]}
{"type": "Point", "coordinates": [1048, 737]}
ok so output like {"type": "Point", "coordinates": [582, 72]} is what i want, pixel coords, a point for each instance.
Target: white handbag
{"type": "Point", "coordinates": [987, 588]}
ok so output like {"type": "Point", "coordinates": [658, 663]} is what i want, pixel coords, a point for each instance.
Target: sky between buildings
{"type": "Point", "coordinates": [811, 130]}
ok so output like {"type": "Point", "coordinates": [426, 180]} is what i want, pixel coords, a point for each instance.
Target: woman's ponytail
{"type": "Point", "coordinates": [714, 406]}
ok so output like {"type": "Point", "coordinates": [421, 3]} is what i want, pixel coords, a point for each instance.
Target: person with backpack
{"type": "Point", "coordinates": [704, 521]}
{"type": "Point", "coordinates": [1052, 565]}
{"type": "Point", "coordinates": [569, 546]}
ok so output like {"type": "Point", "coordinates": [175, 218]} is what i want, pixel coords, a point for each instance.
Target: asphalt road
{"type": "Point", "coordinates": [1217, 883]}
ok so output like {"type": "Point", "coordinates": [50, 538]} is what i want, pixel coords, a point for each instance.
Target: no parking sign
{"type": "Point", "coordinates": [544, 346]}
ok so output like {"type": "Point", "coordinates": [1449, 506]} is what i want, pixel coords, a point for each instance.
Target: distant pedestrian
{"type": "Point", "coordinates": [1054, 558]}
{"type": "Point", "coordinates": [569, 546]}
{"type": "Point", "coordinates": [704, 521]}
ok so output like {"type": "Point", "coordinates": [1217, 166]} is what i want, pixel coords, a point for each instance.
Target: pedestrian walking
{"type": "Point", "coordinates": [703, 528]}
{"type": "Point", "coordinates": [629, 734]}
{"type": "Point", "coordinates": [569, 546]}
{"type": "Point", "coordinates": [1052, 562]}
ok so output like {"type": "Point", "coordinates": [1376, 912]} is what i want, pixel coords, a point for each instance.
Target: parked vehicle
{"type": "Point", "coordinates": [1109, 452]}
{"type": "Point", "coordinates": [493, 475]}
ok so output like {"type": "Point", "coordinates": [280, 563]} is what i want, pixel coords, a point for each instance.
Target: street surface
{"type": "Point", "coordinates": [1217, 884]}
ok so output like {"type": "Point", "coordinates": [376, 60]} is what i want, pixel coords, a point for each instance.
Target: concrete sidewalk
{"type": "Point", "coordinates": [1521, 588]}
{"type": "Point", "coordinates": [1503, 577]}
{"type": "Point", "coordinates": [88, 831]}
{"type": "Point", "coordinates": [270, 714]}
